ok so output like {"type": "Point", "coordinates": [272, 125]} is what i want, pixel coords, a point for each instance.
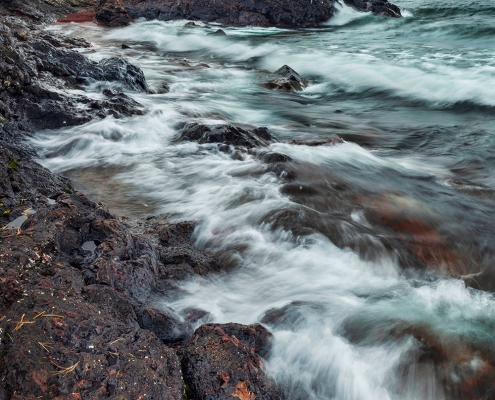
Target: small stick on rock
{"type": "Point", "coordinates": [21, 323]}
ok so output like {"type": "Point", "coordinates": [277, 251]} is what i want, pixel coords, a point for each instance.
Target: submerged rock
{"type": "Point", "coordinates": [287, 79]}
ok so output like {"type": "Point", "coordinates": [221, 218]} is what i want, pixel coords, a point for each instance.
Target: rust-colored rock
{"type": "Point", "coordinates": [83, 16]}
{"type": "Point", "coordinates": [224, 362]}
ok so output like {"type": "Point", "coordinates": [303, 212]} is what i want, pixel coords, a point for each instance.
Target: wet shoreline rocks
{"type": "Point", "coordinates": [79, 320]}
{"type": "Point", "coordinates": [292, 13]}
{"type": "Point", "coordinates": [78, 285]}
{"type": "Point", "coordinates": [37, 68]}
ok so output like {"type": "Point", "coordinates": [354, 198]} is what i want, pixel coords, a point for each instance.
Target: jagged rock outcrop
{"type": "Point", "coordinates": [286, 79]}
{"type": "Point", "coordinates": [283, 13]}
{"type": "Point", "coordinates": [33, 64]}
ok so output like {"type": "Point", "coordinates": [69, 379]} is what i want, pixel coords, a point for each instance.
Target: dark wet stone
{"type": "Point", "coordinates": [165, 326]}
{"type": "Point", "coordinates": [291, 13]}
{"type": "Point", "coordinates": [226, 134]}
{"type": "Point", "coordinates": [190, 24]}
{"type": "Point", "coordinates": [118, 105]}
{"type": "Point", "coordinates": [286, 79]}
{"type": "Point", "coordinates": [165, 88]}
{"type": "Point", "coordinates": [177, 234]}
{"type": "Point", "coordinates": [218, 32]}
{"type": "Point", "coordinates": [377, 7]}
{"type": "Point", "coordinates": [224, 361]}
{"type": "Point", "coordinates": [28, 68]}
{"type": "Point", "coordinates": [114, 70]}
{"type": "Point", "coordinates": [187, 255]}
{"type": "Point", "coordinates": [126, 46]}
{"type": "Point", "coordinates": [271, 158]}
{"type": "Point", "coordinates": [334, 139]}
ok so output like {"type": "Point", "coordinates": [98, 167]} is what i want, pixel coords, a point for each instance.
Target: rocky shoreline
{"type": "Point", "coordinates": [77, 283]}
{"type": "Point", "coordinates": [296, 13]}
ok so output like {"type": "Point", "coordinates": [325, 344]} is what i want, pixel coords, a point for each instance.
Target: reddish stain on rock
{"type": "Point", "coordinates": [83, 16]}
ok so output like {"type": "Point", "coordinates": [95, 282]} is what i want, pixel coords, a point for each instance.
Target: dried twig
{"type": "Point", "coordinates": [52, 315]}
{"type": "Point", "coordinates": [46, 345]}
{"type": "Point", "coordinates": [43, 314]}
{"type": "Point", "coordinates": [38, 315]}
{"type": "Point", "coordinates": [117, 340]}
{"type": "Point", "coordinates": [19, 233]}
{"type": "Point", "coordinates": [64, 371]}
{"type": "Point", "coordinates": [21, 323]}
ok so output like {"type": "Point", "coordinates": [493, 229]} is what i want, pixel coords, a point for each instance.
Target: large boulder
{"type": "Point", "coordinates": [33, 62]}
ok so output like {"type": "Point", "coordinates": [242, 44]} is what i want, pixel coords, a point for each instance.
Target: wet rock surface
{"type": "Point", "coordinates": [211, 371]}
{"type": "Point", "coordinates": [286, 79]}
{"type": "Point", "coordinates": [228, 12]}
{"type": "Point", "coordinates": [36, 68]}
{"type": "Point", "coordinates": [377, 7]}
{"type": "Point", "coordinates": [114, 70]}
{"type": "Point", "coordinates": [293, 13]}
{"type": "Point", "coordinates": [227, 135]}
{"type": "Point", "coordinates": [78, 320]}
{"type": "Point", "coordinates": [46, 11]}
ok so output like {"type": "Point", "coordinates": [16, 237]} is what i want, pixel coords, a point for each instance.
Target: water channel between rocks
{"type": "Point", "coordinates": [377, 247]}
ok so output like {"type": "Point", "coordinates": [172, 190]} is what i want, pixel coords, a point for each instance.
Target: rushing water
{"type": "Point", "coordinates": [376, 272]}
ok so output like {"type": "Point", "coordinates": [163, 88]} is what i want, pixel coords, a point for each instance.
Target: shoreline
{"type": "Point", "coordinates": [77, 283]}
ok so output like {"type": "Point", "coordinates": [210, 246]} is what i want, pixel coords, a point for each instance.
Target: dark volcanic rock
{"type": "Point", "coordinates": [86, 333]}
{"type": "Point", "coordinates": [378, 7]}
{"type": "Point", "coordinates": [223, 362]}
{"type": "Point", "coordinates": [118, 104]}
{"type": "Point", "coordinates": [77, 320]}
{"type": "Point", "coordinates": [166, 327]}
{"type": "Point", "coordinates": [32, 63]}
{"type": "Point", "coordinates": [114, 70]}
{"type": "Point", "coordinates": [288, 13]}
{"type": "Point", "coordinates": [218, 32]}
{"type": "Point", "coordinates": [300, 13]}
{"type": "Point", "coordinates": [226, 134]}
{"type": "Point", "coordinates": [287, 79]}
{"type": "Point", "coordinates": [43, 10]}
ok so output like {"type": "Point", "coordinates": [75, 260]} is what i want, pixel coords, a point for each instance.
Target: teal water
{"type": "Point", "coordinates": [401, 308]}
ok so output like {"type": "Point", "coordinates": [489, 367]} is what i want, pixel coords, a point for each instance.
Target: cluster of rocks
{"type": "Point", "coordinates": [35, 70]}
{"type": "Point", "coordinates": [288, 13]}
{"type": "Point", "coordinates": [76, 297]}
